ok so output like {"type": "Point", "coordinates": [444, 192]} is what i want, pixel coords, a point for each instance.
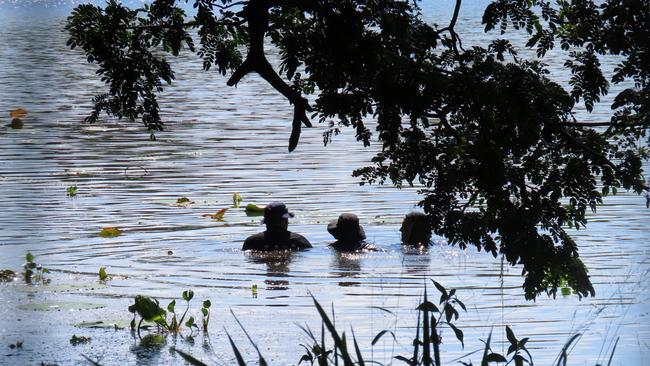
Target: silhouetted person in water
{"type": "Point", "coordinates": [416, 230]}
{"type": "Point", "coordinates": [647, 201]}
{"type": "Point", "coordinates": [276, 236]}
{"type": "Point", "coordinates": [349, 235]}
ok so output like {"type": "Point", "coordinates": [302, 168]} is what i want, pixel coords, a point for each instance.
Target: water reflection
{"type": "Point", "coordinates": [346, 265]}
{"type": "Point", "coordinates": [277, 267]}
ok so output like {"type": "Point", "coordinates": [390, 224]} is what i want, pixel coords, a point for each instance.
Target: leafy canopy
{"type": "Point", "coordinates": [493, 142]}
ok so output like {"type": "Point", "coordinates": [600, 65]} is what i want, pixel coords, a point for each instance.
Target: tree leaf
{"type": "Point", "coordinates": [458, 332]}
{"type": "Point", "coordinates": [495, 357]}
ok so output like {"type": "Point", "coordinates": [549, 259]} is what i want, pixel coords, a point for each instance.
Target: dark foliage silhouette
{"type": "Point", "coordinates": [503, 163]}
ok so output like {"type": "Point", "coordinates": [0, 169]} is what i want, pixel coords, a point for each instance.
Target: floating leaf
{"type": "Point", "coordinates": [17, 124]}
{"type": "Point", "coordinates": [100, 324]}
{"type": "Point", "coordinates": [18, 113]}
{"type": "Point", "coordinates": [183, 202]}
{"type": "Point", "coordinates": [110, 232]}
{"type": "Point", "coordinates": [60, 288]}
{"type": "Point", "coordinates": [75, 340]}
{"type": "Point", "coordinates": [253, 209]}
{"type": "Point", "coordinates": [7, 275]}
{"type": "Point", "coordinates": [60, 306]}
{"type": "Point", "coordinates": [217, 216]}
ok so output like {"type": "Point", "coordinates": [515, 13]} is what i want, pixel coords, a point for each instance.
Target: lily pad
{"type": "Point", "coordinates": [110, 232]}
{"type": "Point", "coordinates": [18, 113]}
{"type": "Point", "coordinates": [16, 124]}
{"type": "Point", "coordinates": [254, 210]}
{"type": "Point", "coordinates": [107, 324]}
{"type": "Point", "coordinates": [76, 340]}
{"type": "Point", "coordinates": [183, 202]}
{"type": "Point", "coordinates": [60, 306]}
{"type": "Point", "coordinates": [61, 288]}
{"type": "Point", "coordinates": [7, 275]}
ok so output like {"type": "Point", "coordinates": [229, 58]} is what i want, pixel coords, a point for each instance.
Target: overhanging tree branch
{"type": "Point", "coordinates": [257, 16]}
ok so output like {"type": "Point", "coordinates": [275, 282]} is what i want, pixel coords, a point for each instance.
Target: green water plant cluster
{"type": "Point", "coordinates": [34, 272]}
{"type": "Point", "coordinates": [168, 321]}
{"type": "Point", "coordinates": [71, 191]}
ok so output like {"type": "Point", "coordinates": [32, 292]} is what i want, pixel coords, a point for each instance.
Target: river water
{"type": "Point", "coordinates": [220, 140]}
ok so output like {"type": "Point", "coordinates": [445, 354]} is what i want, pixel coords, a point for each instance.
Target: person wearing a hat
{"type": "Point", "coordinates": [276, 236]}
{"type": "Point", "coordinates": [349, 235]}
{"type": "Point", "coordinates": [416, 230]}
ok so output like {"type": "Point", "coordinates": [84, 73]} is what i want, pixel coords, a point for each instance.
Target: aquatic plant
{"type": "Point", "coordinates": [205, 311]}
{"type": "Point", "coordinates": [71, 191]}
{"type": "Point", "coordinates": [236, 200]}
{"type": "Point", "coordinates": [110, 232]}
{"type": "Point", "coordinates": [149, 310]}
{"type": "Point", "coordinates": [34, 272]}
{"type": "Point", "coordinates": [103, 276]}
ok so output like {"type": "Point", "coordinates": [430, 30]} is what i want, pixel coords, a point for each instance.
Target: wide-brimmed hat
{"type": "Point", "coordinates": [275, 211]}
{"type": "Point", "coordinates": [346, 228]}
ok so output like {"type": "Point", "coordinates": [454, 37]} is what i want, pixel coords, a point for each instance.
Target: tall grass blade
{"type": "Point", "coordinates": [416, 345]}
{"type": "Point", "coordinates": [383, 309]}
{"type": "Point", "coordinates": [238, 356]}
{"type": "Point", "coordinates": [336, 350]}
{"type": "Point", "coordinates": [322, 359]}
{"type": "Point", "coordinates": [613, 350]}
{"type": "Point", "coordinates": [189, 358]}
{"type": "Point", "coordinates": [94, 363]}
{"type": "Point", "coordinates": [426, 335]}
{"type": "Point", "coordinates": [339, 341]}
{"type": "Point", "coordinates": [259, 354]}
{"type": "Point", "coordinates": [486, 350]}
{"type": "Point", "coordinates": [381, 334]}
{"type": "Point", "coordinates": [360, 361]}
{"type": "Point", "coordinates": [564, 355]}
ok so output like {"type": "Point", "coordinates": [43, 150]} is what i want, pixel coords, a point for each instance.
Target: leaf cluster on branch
{"type": "Point", "coordinates": [493, 141]}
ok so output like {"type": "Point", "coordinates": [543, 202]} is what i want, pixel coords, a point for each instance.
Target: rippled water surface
{"type": "Point", "coordinates": [221, 140]}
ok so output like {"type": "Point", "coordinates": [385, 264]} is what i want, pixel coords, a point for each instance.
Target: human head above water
{"type": "Point", "coordinates": [346, 228]}
{"type": "Point", "coordinates": [276, 216]}
{"type": "Point", "coordinates": [416, 229]}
